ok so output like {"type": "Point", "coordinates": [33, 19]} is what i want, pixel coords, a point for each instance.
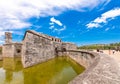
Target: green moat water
{"type": "Point", "coordinates": [59, 70]}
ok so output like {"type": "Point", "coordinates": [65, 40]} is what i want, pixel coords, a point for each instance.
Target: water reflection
{"type": "Point", "coordinates": [56, 71]}
{"type": "Point", "coordinates": [13, 64]}
{"type": "Point", "coordinates": [1, 64]}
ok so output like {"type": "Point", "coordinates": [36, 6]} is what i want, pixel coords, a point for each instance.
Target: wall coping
{"type": "Point", "coordinates": [103, 70]}
{"type": "Point", "coordinates": [16, 43]}
{"type": "Point", "coordinates": [39, 34]}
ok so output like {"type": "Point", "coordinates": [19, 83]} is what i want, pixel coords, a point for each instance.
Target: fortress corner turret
{"type": "Point", "coordinates": [8, 37]}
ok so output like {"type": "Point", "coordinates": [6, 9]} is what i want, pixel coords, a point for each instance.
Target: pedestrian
{"type": "Point", "coordinates": [97, 50]}
{"type": "Point", "coordinates": [113, 51]}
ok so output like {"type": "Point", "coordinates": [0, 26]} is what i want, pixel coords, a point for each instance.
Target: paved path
{"type": "Point", "coordinates": [116, 55]}
{"type": "Point", "coordinates": [104, 70]}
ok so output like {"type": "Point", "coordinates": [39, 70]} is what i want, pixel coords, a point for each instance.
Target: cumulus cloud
{"type": "Point", "coordinates": [15, 14]}
{"type": "Point", "coordinates": [62, 29]}
{"type": "Point", "coordinates": [105, 17]}
{"type": "Point", "coordinates": [53, 20]}
{"type": "Point", "coordinates": [91, 25]}
{"type": "Point", "coordinates": [59, 30]}
{"type": "Point", "coordinates": [52, 23]}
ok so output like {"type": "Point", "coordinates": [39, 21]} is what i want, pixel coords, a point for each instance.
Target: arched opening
{"type": "Point", "coordinates": [18, 51]}
{"type": "Point", "coordinates": [56, 51]}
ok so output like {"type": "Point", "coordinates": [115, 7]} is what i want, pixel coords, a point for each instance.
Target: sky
{"type": "Point", "coordinates": [82, 22]}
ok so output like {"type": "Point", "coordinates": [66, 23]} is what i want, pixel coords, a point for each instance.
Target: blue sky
{"type": "Point", "coordinates": [82, 22]}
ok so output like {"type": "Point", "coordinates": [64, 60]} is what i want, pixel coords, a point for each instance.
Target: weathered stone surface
{"type": "Point", "coordinates": [38, 48]}
{"type": "Point", "coordinates": [83, 58]}
{"type": "Point", "coordinates": [12, 50]}
{"type": "Point", "coordinates": [103, 70]}
{"type": "Point", "coordinates": [8, 37]}
{"type": "Point", "coordinates": [8, 50]}
{"type": "Point", "coordinates": [69, 46]}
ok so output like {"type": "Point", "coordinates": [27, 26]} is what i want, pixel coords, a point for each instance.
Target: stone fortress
{"type": "Point", "coordinates": [11, 49]}
{"type": "Point", "coordinates": [36, 48]}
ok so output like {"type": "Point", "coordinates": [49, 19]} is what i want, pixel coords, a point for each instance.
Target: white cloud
{"type": "Point", "coordinates": [62, 29]}
{"type": "Point", "coordinates": [53, 20]}
{"type": "Point", "coordinates": [105, 17]}
{"type": "Point", "coordinates": [59, 30]}
{"type": "Point", "coordinates": [91, 25]}
{"type": "Point", "coordinates": [52, 23]}
{"type": "Point", "coordinates": [51, 27]}
{"type": "Point", "coordinates": [1, 33]}
{"type": "Point", "coordinates": [14, 14]}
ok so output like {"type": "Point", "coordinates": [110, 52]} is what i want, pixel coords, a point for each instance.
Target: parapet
{"type": "Point", "coordinates": [103, 70]}
{"type": "Point", "coordinates": [43, 36]}
{"type": "Point", "coordinates": [69, 46]}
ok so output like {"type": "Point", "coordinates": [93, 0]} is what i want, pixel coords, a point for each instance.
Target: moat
{"type": "Point", "coordinates": [59, 70]}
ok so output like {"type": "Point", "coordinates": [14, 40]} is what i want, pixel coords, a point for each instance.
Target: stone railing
{"type": "Point", "coordinates": [100, 68]}
{"type": "Point", "coordinates": [84, 58]}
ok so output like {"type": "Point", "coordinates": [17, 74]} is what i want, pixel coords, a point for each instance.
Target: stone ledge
{"type": "Point", "coordinates": [104, 70]}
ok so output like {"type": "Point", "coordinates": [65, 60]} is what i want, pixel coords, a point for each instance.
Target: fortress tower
{"type": "Point", "coordinates": [8, 37]}
{"type": "Point", "coordinates": [11, 49]}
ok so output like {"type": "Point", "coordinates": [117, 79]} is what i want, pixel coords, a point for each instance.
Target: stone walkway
{"type": "Point", "coordinates": [116, 55]}
{"type": "Point", "coordinates": [104, 70]}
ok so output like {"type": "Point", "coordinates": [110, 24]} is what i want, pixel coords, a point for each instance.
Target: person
{"type": "Point", "coordinates": [97, 50]}
{"type": "Point", "coordinates": [113, 51]}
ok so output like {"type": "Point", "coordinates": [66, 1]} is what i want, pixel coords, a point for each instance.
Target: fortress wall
{"type": "Point", "coordinates": [8, 50]}
{"type": "Point", "coordinates": [17, 49]}
{"type": "Point", "coordinates": [37, 48]}
{"type": "Point", "coordinates": [69, 46]}
{"type": "Point", "coordinates": [100, 68]}
{"type": "Point", "coordinates": [12, 50]}
{"type": "Point", "coordinates": [82, 57]}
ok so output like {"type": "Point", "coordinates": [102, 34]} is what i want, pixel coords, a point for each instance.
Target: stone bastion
{"type": "Point", "coordinates": [100, 68]}
{"type": "Point", "coordinates": [37, 48]}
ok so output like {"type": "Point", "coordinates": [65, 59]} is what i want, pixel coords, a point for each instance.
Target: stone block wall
{"type": "Point", "coordinates": [100, 68]}
{"type": "Point", "coordinates": [17, 49]}
{"type": "Point", "coordinates": [12, 50]}
{"type": "Point", "coordinates": [103, 70]}
{"type": "Point", "coordinates": [69, 46]}
{"type": "Point", "coordinates": [37, 48]}
{"type": "Point", "coordinates": [83, 58]}
{"type": "Point", "coordinates": [8, 50]}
